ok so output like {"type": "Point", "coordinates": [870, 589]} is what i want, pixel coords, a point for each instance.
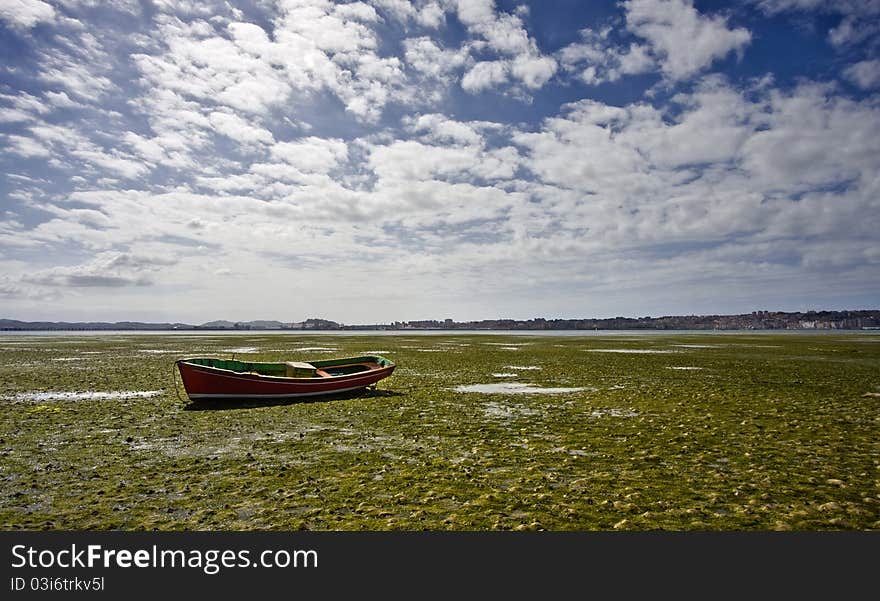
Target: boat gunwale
{"type": "Point", "coordinates": [229, 373]}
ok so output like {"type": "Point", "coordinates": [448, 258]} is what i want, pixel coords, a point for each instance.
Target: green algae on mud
{"type": "Point", "coordinates": [746, 431]}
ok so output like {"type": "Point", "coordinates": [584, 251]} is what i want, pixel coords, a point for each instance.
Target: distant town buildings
{"type": "Point", "coordinates": [757, 320]}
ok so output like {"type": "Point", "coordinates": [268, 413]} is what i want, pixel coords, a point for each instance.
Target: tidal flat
{"type": "Point", "coordinates": [673, 431]}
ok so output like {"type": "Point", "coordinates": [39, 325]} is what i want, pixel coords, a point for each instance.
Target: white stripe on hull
{"type": "Point", "coordinates": [273, 396]}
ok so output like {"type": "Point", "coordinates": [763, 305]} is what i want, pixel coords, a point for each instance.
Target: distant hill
{"type": "Point", "coordinates": [757, 320]}
{"type": "Point", "coordinates": [12, 324]}
{"type": "Point", "coordinates": [218, 324]}
{"type": "Point", "coordinates": [309, 324]}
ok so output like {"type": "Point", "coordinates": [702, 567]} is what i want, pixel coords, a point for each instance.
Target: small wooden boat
{"type": "Point", "coordinates": [210, 378]}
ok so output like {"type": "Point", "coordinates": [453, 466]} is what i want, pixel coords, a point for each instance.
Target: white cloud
{"type": "Point", "coordinates": [236, 128]}
{"type": "Point", "coordinates": [149, 149]}
{"type": "Point", "coordinates": [440, 128]}
{"type": "Point", "coordinates": [431, 60]}
{"type": "Point", "coordinates": [859, 22]}
{"type": "Point", "coordinates": [598, 60]}
{"type": "Point", "coordinates": [790, 151]}
{"type": "Point", "coordinates": [66, 145]}
{"type": "Point", "coordinates": [684, 40]}
{"type": "Point", "coordinates": [311, 155]}
{"type": "Point", "coordinates": [119, 165]}
{"type": "Point", "coordinates": [10, 115]}
{"type": "Point", "coordinates": [26, 147]}
{"type": "Point", "coordinates": [78, 64]}
{"type": "Point", "coordinates": [504, 34]}
{"type": "Point", "coordinates": [230, 151]}
{"type": "Point", "coordinates": [865, 74]}
{"type": "Point", "coordinates": [854, 29]}
{"type": "Point", "coordinates": [311, 48]}
{"type": "Point", "coordinates": [636, 60]}
{"type": "Point", "coordinates": [726, 166]}
{"type": "Point", "coordinates": [24, 14]}
{"type": "Point", "coordinates": [533, 71]}
{"type": "Point", "coordinates": [61, 100]}
{"type": "Point", "coordinates": [357, 11]}
{"type": "Point", "coordinates": [106, 270]}
{"type": "Point", "coordinates": [431, 15]}
{"type": "Point", "coordinates": [26, 102]}
{"type": "Point", "coordinates": [182, 131]}
{"type": "Point", "coordinates": [777, 6]}
{"type": "Point", "coordinates": [413, 160]}
{"type": "Point", "coordinates": [485, 75]}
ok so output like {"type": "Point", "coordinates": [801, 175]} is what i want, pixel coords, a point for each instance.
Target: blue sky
{"type": "Point", "coordinates": [392, 160]}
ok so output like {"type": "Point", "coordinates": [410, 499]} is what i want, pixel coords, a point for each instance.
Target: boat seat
{"type": "Point", "coordinates": [299, 369]}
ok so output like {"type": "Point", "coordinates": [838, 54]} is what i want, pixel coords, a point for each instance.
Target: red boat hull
{"type": "Point", "coordinates": [203, 382]}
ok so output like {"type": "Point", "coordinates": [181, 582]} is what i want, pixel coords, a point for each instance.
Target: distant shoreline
{"type": "Point", "coordinates": [856, 320]}
{"type": "Point", "coordinates": [440, 332]}
{"type": "Point", "coordinates": [449, 330]}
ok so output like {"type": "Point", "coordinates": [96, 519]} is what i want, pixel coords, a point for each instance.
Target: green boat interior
{"type": "Point", "coordinates": [298, 369]}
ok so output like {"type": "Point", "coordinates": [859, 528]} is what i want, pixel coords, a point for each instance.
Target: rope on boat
{"type": "Point", "coordinates": [174, 381]}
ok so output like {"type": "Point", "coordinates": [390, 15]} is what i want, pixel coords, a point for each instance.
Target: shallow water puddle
{"type": "Point", "coordinates": [613, 413]}
{"type": "Point", "coordinates": [522, 367]}
{"type": "Point", "coordinates": [636, 351]}
{"type": "Point", "coordinates": [696, 345]}
{"type": "Point", "coordinates": [500, 410]}
{"type": "Point", "coordinates": [683, 367]}
{"type": "Point", "coordinates": [504, 375]}
{"type": "Point", "coordinates": [515, 388]}
{"type": "Point", "coordinates": [243, 349]}
{"type": "Point", "coordinates": [755, 345]}
{"type": "Point", "coordinates": [316, 349]}
{"type": "Point", "coordinates": [83, 396]}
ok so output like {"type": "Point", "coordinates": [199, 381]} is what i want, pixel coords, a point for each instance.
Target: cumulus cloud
{"type": "Point", "coordinates": [79, 65]}
{"type": "Point", "coordinates": [312, 154]}
{"type": "Point", "coordinates": [106, 270]}
{"type": "Point", "coordinates": [430, 59]}
{"type": "Point", "coordinates": [485, 75]}
{"type": "Point", "coordinates": [312, 48]}
{"type": "Point", "coordinates": [234, 127]}
{"type": "Point", "coordinates": [597, 60]}
{"type": "Point", "coordinates": [504, 34]}
{"type": "Point", "coordinates": [312, 141]}
{"type": "Point", "coordinates": [684, 40]}
{"type": "Point", "coordinates": [858, 22]}
{"type": "Point", "coordinates": [439, 128]}
{"type": "Point", "coordinates": [24, 14]}
{"type": "Point", "coordinates": [725, 165]}
{"type": "Point", "coordinates": [865, 74]}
